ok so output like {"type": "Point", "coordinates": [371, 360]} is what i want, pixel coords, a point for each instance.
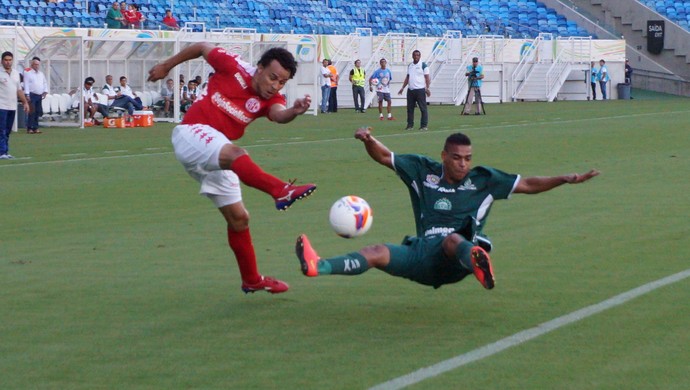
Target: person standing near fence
{"type": "Point", "coordinates": [603, 77]}
{"type": "Point", "coordinates": [593, 77]}
{"type": "Point", "coordinates": [325, 82]}
{"type": "Point", "coordinates": [36, 88]}
{"type": "Point", "coordinates": [357, 78]}
{"type": "Point", "coordinates": [418, 78]}
{"type": "Point", "coordinates": [10, 90]}
{"type": "Point", "coordinates": [333, 98]}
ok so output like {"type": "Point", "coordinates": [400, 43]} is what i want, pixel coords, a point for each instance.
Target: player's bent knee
{"type": "Point", "coordinates": [377, 255]}
{"type": "Point", "coordinates": [451, 242]}
{"type": "Point", "coordinates": [228, 154]}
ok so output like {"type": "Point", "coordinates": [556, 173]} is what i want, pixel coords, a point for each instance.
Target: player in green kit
{"type": "Point", "coordinates": [451, 202]}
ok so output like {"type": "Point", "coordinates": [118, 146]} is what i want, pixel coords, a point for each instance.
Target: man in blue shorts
{"type": "Point", "coordinates": [451, 202]}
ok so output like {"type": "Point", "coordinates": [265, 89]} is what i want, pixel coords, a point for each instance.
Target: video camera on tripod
{"type": "Point", "coordinates": [472, 76]}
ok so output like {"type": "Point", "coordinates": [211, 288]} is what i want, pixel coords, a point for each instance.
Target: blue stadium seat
{"type": "Point", "coordinates": [434, 17]}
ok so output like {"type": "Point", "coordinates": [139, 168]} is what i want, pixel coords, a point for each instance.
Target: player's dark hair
{"type": "Point", "coordinates": [284, 58]}
{"type": "Point", "coordinates": [36, 59]}
{"type": "Point", "coordinates": [7, 54]}
{"type": "Point", "coordinates": [457, 139]}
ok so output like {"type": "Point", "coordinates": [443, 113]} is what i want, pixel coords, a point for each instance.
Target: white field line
{"type": "Point", "coordinates": [405, 134]}
{"type": "Point", "coordinates": [526, 335]}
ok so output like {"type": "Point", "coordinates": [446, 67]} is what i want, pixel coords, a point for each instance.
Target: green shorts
{"type": "Point", "coordinates": [421, 259]}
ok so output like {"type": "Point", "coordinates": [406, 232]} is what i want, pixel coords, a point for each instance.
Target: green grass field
{"type": "Point", "coordinates": [115, 274]}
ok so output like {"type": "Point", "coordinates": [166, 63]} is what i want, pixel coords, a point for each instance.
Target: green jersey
{"type": "Point", "coordinates": [440, 208]}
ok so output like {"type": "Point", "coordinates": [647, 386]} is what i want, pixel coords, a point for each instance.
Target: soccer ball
{"type": "Point", "coordinates": [374, 82]}
{"type": "Point", "coordinates": [350, 216]}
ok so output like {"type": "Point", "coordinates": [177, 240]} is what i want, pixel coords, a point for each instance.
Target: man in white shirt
{"type": "Point", "coordinates": [325, 85]}
{"type": "Point", "coordinates": [36, 88]}
{"type": "Point", "coordinates": [127, 91]}
{"type": "Point", "coordinates": [419, 80]}
{"type": "Point", "coordinates": [91, 106]}
{"type": "Point", "coordinates": [115, 96]}
{"type": "Point", "coordinates": [10, 90]}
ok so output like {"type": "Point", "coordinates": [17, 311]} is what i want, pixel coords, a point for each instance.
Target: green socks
{"type": "Point", "coordinates": [350, 264]}
{"type": "Point", "coordinates": [463, 254]}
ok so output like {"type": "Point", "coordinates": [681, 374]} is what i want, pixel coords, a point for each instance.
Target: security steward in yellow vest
{"type": "Point", "coordinates": [357, 78]}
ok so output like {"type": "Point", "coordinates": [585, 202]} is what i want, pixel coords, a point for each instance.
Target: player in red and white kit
{"type": "Point", "coordinates": [237, 94]}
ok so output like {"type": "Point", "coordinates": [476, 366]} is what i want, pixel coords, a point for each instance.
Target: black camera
{"type": "Point", "coordinates": [473, 74]}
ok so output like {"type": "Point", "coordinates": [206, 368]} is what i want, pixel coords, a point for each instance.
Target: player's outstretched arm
{"type": "Point", "coordinates": [281, 114]}
{"type": "Point", "coordinates": [190, 52]}
{"type": "Point", "coordinates": [537, 184]}
{"type": "Point", "coordinates": [377, 151]}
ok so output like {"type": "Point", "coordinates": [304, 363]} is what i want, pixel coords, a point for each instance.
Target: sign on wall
{"type": "Point", "coordinates": [655, 36]}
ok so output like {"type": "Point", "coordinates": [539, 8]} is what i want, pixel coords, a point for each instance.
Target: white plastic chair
{"type": "Point", "coordinates": [45, 103]}
{"type": "Point", "coordinates": [54, 102]}
{"type": "Point", "coordinates": [147, 99]}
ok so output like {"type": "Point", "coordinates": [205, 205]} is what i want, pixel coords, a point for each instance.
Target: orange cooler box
{"type": "Point", "coordinates": [142, 118]}
{"type": "Point", "coordinates": [114, 122]}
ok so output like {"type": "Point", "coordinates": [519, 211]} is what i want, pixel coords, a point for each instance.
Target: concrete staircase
{"type": "Point", "coordinates": [442, 84]}
{"type": "Point", "coordinates": [534, 87]}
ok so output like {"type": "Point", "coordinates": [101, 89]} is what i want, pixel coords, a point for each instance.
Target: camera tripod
{"type": "Point", "coordinates": [472, 84]}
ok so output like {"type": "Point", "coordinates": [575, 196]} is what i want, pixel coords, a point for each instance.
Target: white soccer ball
{"type": "Point", "coordinates": [374, 82]}
{"type": "Point", "coordinates": [350, 216]}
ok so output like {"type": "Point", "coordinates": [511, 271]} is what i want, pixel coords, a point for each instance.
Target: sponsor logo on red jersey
{"type": "Point", "coordinates": [253, 105]}
{"type": "Point", "coordinates": [229, 108]}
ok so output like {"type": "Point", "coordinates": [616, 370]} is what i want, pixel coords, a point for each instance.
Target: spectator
{"type": "Point", "coordinates": [168, 97]}
{"type": "Point", "coordinates": [357, 78]}
{"type": "Point", "coordinates": [10, 90]}
{"type": "Point", "coordinates": [91, 105]}
{"type": "Point", "coordinates": [333, 98]}
{"type": "Point", "coordinates": [604, 77]}
{"type": "Point", "coordinates": [419, 80]}
{"type": "Point", "coordinates": [133, 17]}
{"type": "Point", "coordinates": [325, 85]}
{"type": "Point", "coordinates": [593, 77]}
{"type": "Point", "coordinates": [36, 88]}
{"type": "Point", "coordinates": [170, 21]}
{"type": "Point", "coordinates": [114, 18]}
{"type": "Point", "coordinates": [124, 9]}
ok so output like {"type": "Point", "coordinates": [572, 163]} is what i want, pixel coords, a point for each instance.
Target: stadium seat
{"type": "Point", "coordinates": [421, 17]}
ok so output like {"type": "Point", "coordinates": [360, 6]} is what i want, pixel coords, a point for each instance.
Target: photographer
{"type": "Point", "coordinates": [475, 74]}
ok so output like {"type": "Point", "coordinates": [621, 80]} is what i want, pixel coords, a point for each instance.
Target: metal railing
{"type": "Point", "coordinates": [519, 75]}
{"type": "Point", "coordinates": [570, 50]}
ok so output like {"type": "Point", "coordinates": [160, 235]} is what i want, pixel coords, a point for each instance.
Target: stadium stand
{"type": "Point", "coordinates": [676, 11]}
{"type": "Point", "coordinates": [516, 18]}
